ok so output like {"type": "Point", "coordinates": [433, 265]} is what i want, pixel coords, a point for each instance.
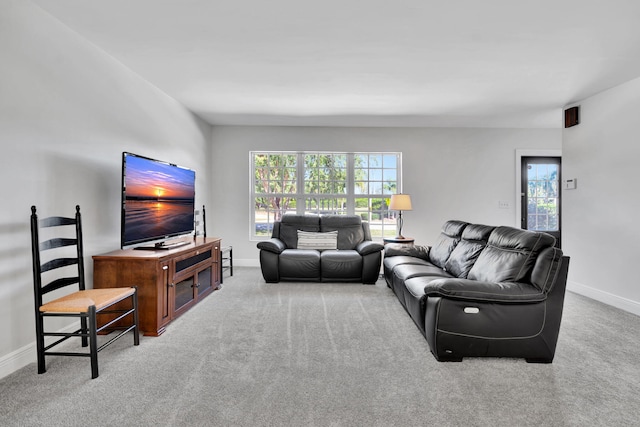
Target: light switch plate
{"type": "Point", "coordinates": [570, 184]}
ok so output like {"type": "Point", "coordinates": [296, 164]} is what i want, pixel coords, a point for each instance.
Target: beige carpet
{"type": "Point", "coordinates": [318, 354]}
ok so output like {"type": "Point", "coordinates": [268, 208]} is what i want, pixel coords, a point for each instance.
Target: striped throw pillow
{"type": "Point", "coordinates": [318, 241]}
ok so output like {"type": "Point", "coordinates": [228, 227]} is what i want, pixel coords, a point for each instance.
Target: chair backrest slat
{"type": "Point", "coordinates": [55, 221]}
{"type": "Point", "coordinates": [57, 243]}
{"type": "Point", "coordinates": [59, 283]}
{"type": "Point", "coordinates": [57, 263]}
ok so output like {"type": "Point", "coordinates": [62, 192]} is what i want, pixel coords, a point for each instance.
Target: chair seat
{"type": "Point", "coordinates": [80, 301]}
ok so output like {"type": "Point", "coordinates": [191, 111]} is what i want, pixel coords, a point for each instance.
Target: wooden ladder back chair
{"type": "Point", "coordinates": [85, 304]}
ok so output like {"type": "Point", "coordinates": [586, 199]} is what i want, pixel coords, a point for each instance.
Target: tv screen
{"type": "Point", "coordinates": [158, 201]}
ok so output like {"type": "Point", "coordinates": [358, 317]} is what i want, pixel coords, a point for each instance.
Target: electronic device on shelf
{"type": "Point", "coordinates": [158, 203]}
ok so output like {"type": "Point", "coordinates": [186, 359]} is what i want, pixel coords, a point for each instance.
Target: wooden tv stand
{"type": "Point", "coordinates": [169, 282]}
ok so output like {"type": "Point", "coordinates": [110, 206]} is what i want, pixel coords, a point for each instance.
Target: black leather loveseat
{"type": "Point", "coordinates": [482, 291]}
{"type": "Point", "coordinates": [326, 248]}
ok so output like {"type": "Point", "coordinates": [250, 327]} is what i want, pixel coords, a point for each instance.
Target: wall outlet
{"type": "Point", "coordinates": [503, 204]}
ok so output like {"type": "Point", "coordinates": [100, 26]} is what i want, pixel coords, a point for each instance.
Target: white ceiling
{"type": "Point", "coordinates": [468, 63]}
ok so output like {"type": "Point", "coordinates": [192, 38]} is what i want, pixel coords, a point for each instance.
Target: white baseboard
{"type": "Point", "coordinates": [605, 297]}
{"type": "Point", "coordinates": [23, 356]}
{"type": "Point", "coordinates": [17, 359]}
{"type": "Point", "coordinates": [246, 263]}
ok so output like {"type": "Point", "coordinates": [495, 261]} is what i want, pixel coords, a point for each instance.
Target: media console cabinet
{"type": "Point", "coordinates": [169, 282]}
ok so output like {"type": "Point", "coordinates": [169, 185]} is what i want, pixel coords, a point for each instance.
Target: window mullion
{"type": "Point", "coordinates": [399, 172]}
{"type": "Point", "coordinates": [351, 203]}
{"type": "Point", "coordinates": [300, 189]}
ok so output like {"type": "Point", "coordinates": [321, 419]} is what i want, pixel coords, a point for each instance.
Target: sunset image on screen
{"type": "Point", "coordinates": [146, 179]}
{"type": "Point", "coordinates": [159, 200]}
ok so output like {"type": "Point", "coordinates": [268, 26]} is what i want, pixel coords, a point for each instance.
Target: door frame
{"type": "Point", "coordinates": [518, 178]}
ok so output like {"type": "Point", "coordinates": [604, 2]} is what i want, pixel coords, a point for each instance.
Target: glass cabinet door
{"type": "Point", "coordinates": [184, 292]}
{"type": "Point", "coordinates": [204, 281]}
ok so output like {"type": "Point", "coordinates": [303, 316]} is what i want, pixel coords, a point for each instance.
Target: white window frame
{"type": "Point", "coordinates": [388, 229]}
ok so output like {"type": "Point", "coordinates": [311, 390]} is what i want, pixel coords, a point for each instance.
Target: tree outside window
{"type": "Point", "coordinates": [324, 183]}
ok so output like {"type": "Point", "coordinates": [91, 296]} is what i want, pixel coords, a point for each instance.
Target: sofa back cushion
{"type": "Point", "coordinates": [445, 243]}
{"type": "Point", "coordinates": [510, 255]}
{"type": "Point", "coordinates": [291, 223]}
{"type": "Point", "coordinates": [349, 228]}
{"type": "Point", "coordinates": [473, 240]}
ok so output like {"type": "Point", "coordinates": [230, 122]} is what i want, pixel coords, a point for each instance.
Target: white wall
{"type": "Point", "coordinates": [601, 215]}
{"type": "Point", "coordinates": [67, 111]}
{"type": "Point", "coordinates": [450, 173]}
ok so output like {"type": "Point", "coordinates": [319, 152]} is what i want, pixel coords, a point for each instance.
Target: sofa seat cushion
{"type": "Point", "coordinates": [391, 263]}
{"type": "Point", "coordinates": [415, 285]}
{"type": "Point", "coordinates": [340, 265]}
{"type": "Point", "coordinates": [300, 263]}
{"type": "Point", "coordinates": [406, 271]}
{"type": "Point", "coordinates": [417, 279]}
{"type": "Point", "coordinates": [415, 299]}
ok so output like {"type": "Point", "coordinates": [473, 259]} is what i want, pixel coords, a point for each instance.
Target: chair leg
{"type": "Point", "coordinates": [93, 341]}
{"type": "Point", "coordinates": [136, 329]}
{"type": "Point", "coordinates": [85, 329]}
{"type": "Point", "coordinates": [221, 268]}
{"type": "Point", "coordinates": [42, 367]}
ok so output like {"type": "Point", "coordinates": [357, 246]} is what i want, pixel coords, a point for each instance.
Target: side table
{"type": "Point", "coordinates": [226, 260]}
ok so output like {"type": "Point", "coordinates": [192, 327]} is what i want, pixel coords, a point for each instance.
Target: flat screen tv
{"type": "Point", "coordinates": [158, 202]}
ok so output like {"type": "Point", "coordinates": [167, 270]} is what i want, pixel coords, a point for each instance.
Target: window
{"type": "Point", "coordinates": [324, 183]}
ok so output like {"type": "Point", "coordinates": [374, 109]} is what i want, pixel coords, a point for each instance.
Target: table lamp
{"type": "Point", "coordinates": [400, 202]}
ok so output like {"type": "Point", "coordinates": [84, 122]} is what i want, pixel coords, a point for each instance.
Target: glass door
{"type": "Point", "coordinates": [541, 195]}
{"type": "Point", "coordinates": [205, 282]}
{"type": "Point", "coordinates": [184, 293]}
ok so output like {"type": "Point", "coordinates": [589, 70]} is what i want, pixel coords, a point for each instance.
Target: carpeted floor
{"type": "Point", "coordinates": [319, 354]}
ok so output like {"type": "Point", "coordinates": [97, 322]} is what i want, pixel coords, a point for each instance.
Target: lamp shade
{"type": "Point", "coordinates": [400, 202]}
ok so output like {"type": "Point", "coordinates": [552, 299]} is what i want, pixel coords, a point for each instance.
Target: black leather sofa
{"type": "Point", "coordinates": [355, 258]}
{"type": "Point", "coordinates": [482, 291]}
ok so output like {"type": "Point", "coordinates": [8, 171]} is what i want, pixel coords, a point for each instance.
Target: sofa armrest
{"type": "Point", "coordinates": [368, 247]}
{"type": "Point", "coordinates": [473, 290]}
{"type": "Point", "coordinates": [399, 249]}
{"type": "Point", "coordinates": [272, 245]}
